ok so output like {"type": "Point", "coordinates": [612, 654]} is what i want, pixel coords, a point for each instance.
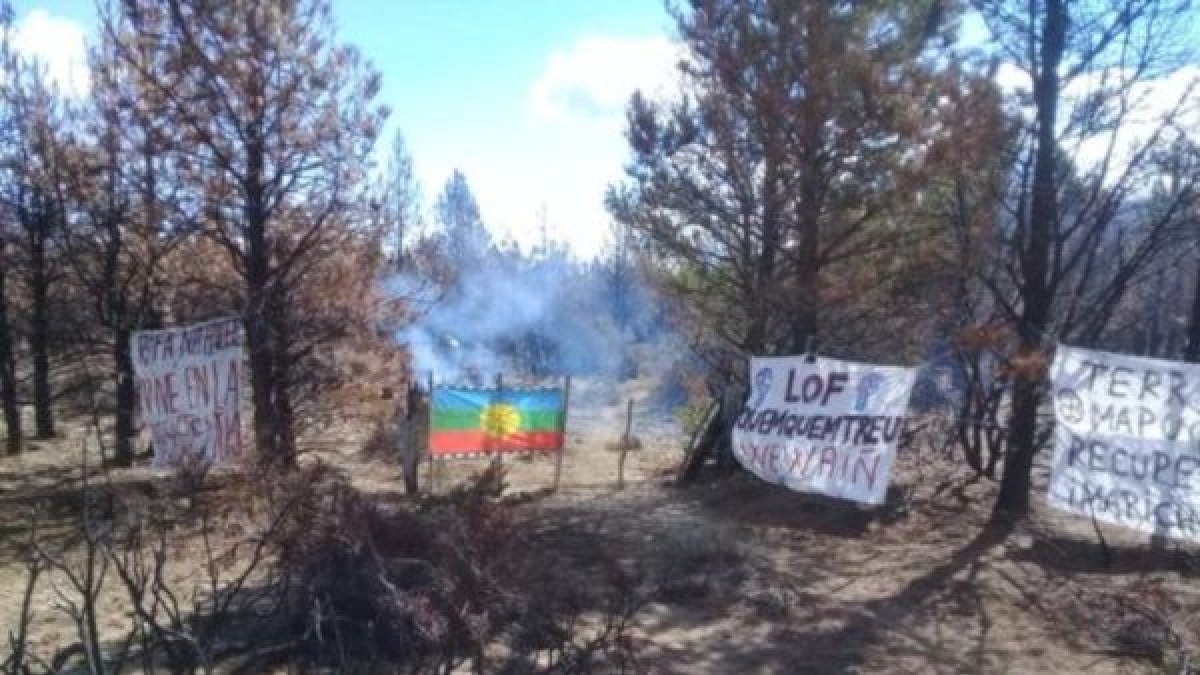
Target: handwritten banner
{"type": "Point", "coordinates": [1127, 441]}
{"type": "Point", "coordinates": [189, 383]}
{"type": "Point", "coordinates": [828, 426]}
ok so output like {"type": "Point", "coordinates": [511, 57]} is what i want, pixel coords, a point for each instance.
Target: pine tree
{"type": "Point", "coordinates": [465, 239]}
{"type": "Point", "coordinates": [275, 125]}
{"type": "Point", "coordinates": [776, 187]}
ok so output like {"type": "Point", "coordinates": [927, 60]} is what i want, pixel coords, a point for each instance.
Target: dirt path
{"type": "Point", "coordinates": [761, 580]}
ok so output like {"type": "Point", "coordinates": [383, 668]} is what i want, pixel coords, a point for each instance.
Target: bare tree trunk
{"type": "Point", "coordinates": [39, 337]}
{"type": "Point", "coordinates": [126, 393]}
{"type": "Point", "coordinates": [1191, 353]}
{"type": "Point", "coordinates": [764, 273]}
{"type": "Point", "coordinates": [1016, 483]}
{"type": "Point", "coordinates": [261, 387]}
{"type": "Point", "coordinates": [1013, 500]}
{"type": "Point", "coordinates": [284, 420]}
{"type": "Point", "coordinates": [8, 379]}
{"type": "Point", "coordinates": [262, 370]}
{"type": "Point", "coordinates": [804, 316]}
{"type": "Point", "coordinates": [812, 179]}
{"type": "Point", "coordinates": [258, 341]}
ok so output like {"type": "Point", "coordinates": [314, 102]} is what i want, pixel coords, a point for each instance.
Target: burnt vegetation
{"type": "Point", "coordinates": [852, 178]}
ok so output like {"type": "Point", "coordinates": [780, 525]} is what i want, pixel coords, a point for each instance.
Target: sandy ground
{"type": "Point", "coordinates": [806, 585]}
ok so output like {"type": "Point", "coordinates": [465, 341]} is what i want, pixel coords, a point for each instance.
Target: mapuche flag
{"type": "Point", "coordinates": [474, 421]}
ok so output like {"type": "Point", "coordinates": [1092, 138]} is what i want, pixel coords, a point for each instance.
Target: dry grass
{"type": "Point", "coordinates": [736, 576]}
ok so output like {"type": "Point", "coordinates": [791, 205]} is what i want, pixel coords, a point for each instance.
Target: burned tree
{"type": "Point", "coordinates": [1075, 237]}
{"type": "Point", "coordinates": [399, 201]}
{"type": "Point", "coordinates": [34, 165]}
{"type": "Point", "coordinates": [275, 125]}
{"type": "Point", "coordinates": [120, 237]}
{"type": "Point", "coordinates": [776, 190]}
{"type": "Point", "coordinates": [741, 186]}
{"type": "Point", "coordinates": [8, 376]}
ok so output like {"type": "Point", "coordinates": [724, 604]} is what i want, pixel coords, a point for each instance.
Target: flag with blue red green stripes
{"type": "Point", "coordinates": [480, 421]}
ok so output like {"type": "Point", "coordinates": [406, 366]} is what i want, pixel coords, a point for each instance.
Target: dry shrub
{"type": "Point", "coordinates": [297, 570]}
{"type": "Point", "coordinates": [378, 588]}
{"type": "Point", "coordinates": [380, 443]}
{"type": "Point", "coordinates": [1144, 620]}
{"type": "Point", "coordinates": [772, 602]}
{"type": "Point", "coordinates": [699, 564]}
{"type": "Point", "coordinates": [189, 474]}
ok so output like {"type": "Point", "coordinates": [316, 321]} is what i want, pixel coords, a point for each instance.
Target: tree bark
{"type": "Point", "coordinates": [8, 379]}
{"type": "Point", "coordinates": [804, 315]}
{"type": "Point", "coordinates": [126, 392]}
{"type": "Point", "coordinates": [1191, 353]}
{"type": "Point", "coordinates": [284, 419]}
{"type": "Point", "coordinates": [258, 332]}
{"type": "Point", "coordinates": [263, 318]}
{"type": "Point", "coordinates": [262, 368]}
{"type": "Point", "coordinates": [1013, 501]}
{"type": "Point", "coordinates": [39, 334]}
{"type": "Point", "coordinates": [813, 180]}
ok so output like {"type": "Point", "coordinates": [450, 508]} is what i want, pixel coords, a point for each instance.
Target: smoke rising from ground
{"type": "Point", "coordinates": [523, 317]}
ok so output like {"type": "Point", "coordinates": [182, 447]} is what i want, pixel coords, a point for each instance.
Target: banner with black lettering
{"type": "Point", "coordinates": [1127, 441]}
{"type": "Point", "coordinates": [189, 384]}
{"type": "Point", "coordinates": [828, 426]}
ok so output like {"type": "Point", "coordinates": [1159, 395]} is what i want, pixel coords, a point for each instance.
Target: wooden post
{"type": "Point", "coordinates": [701, 444]}
{"type": "Point", "coordinates": [498, 460]}
{"type": "Point", "coordinates": [626, 441]}
{"type": "Point", "coordinates": [429, 433]}
{"type": "Point", "coordinates": [409, 436]}
{"type": "Point", "coordinates": [562, 431]}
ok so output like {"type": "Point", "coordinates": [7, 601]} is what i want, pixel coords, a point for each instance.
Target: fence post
{"type": "Point", "coordinates": [626, 441]}
{"type": "Point", "coordinates": [498, 460]}
{"type": "Point", "coordinates": [429, 434]}
{"type": "Point", "coordinates": [562, 432]}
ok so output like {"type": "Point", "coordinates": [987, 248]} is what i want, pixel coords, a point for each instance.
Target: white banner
{"type": "Point", "coordinates": [829, 426]}
{"type": "Point", "coordinates": [189, 383]}
{"type": "Point", "coordinates": [1127, 441]}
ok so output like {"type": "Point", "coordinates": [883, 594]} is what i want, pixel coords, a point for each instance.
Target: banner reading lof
{"type": "Point", "coordinates": [827, 426]}
{"type": "Point", "coordinates": [189, 384]}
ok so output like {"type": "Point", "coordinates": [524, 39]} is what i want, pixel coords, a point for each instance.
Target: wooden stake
{"type": "Point", "coordinates": [498, 460]}
{"type": "Point", "coordinates": [626, 440]}
{"type": "Point", "coordinates": [429, 433]}
{"type": "Point", "coordinates": [562, 432]}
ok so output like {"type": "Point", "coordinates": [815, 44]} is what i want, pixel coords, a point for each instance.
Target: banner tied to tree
{"type": "Point", "coordinates": [189, 384]}
{"type": "Point", "coordinates": [467, 421]}
{"type": "Point", "coordinates": [1127, 441]}
{"type": "Point", "coordinates": [828, 426]}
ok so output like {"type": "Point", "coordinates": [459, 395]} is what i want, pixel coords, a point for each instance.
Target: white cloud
{"type": "Point", "coordinates": [570, 145]}
{"type": "Point", "coordinates": [572, 193]}
{"type": "Point", "coordinates": [58, 43]}
{"type": "Point", "coordinates": [596, 75]}
{"type": "Point", "coordinates": [1151, 103]}
{"type": "Point", "coordinates": [1141, 108]}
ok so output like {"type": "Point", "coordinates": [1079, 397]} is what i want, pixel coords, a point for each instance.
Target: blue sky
{"type": "Point", "coordinates": [525, 96]}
